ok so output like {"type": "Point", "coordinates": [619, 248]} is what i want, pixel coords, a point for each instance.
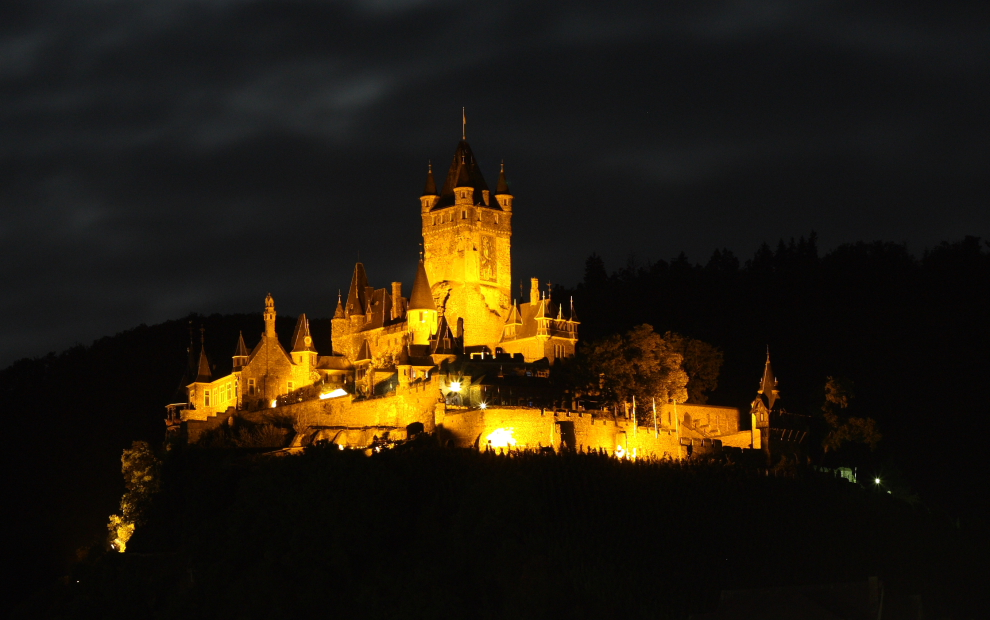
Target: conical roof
{"type": "Point", "coordinates": [421, 298]}
{"type": "Point", "coordinates": [573, 318]}
{"type": "Point", "coordinates": [431, 184]}
{"type": "Point", "coordinates": [357, 301]}
{"type": "Point", "coordinates": [503, 186]}
{"type": "Point", "coordinates": [768, 385]}
{"type": "Point", "coordinates": [301, 339]}
{"type": "Point", "coordinates": [241, 350]}
{"type": "Point", "coordinates": [203, 374]}
{"type": "Point", "coordinates": [339, 312]}
{"type": "Point", "coordinates": [463, 172]}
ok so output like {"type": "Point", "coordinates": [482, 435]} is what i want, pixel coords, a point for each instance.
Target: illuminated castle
{"type": "Point", "coordinates": [458, 356]}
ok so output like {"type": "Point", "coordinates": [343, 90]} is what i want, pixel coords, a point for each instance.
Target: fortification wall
{"type": "Point", "coordinates": [413, 404]}
{"type": "Point", "coordinates": [531, 428]}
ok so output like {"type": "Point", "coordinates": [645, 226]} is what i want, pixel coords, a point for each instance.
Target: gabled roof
{"type": "Point", "coordinates": [421, 298]}
{"type": "Point", "coordinates": [463, 172]}
{"type": "Point", "coordinates": [514, 317]}
{"type": "Point", "coordinates": [364, 355]}
{"type": "Point", "coordinates": [357, 301]}
{"type": "Point", "coordinates": [431, 184]}
{"type": "Point", "coordinates": [443, 341]}
{"type": "Point", "coordinates": [301, 338]}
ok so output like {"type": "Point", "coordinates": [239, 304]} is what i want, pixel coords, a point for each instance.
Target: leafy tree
{"type": "Point", "coordinates": [702, 363]}
{"type": "Point", "coordinates": [639, 364]}
{"type": "Point", "coordinates": [142, 479]}
{"type": "Point", "coordinates": [843, 428]}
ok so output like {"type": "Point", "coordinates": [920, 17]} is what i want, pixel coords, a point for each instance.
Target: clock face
{"type": "Point", "coordinates": [308, 340]}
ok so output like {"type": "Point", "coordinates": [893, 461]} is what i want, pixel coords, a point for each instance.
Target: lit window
{"type": "Point", "coordinates": [206, 398]}
{"type": "Point", "coordinates": [496, 218]}
{"type": "Point", "coordinates": [290, 384]}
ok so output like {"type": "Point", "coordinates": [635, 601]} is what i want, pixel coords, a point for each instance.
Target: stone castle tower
{"type": "Point", "coordinates": [467, 235]}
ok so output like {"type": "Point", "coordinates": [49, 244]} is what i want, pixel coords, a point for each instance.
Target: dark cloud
{"type": "Point", "coordinates": [163, 157]}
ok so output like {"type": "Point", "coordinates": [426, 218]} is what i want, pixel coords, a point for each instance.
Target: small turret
{"type": "Point", "coordinates": [534, 291]}
{"type": "Point", "coordinates": [339, 312]}
{"type": "Point", "coordinates": [269, 316]}
{"type": "Point", "coordinates": [303, 351]}
{"type": "Point", "coordinates": [502, 194]}
{"type": "Point", "coordinates": [430, 195]}
{"type": "Point", "coordinates": [463, 189]}
{"type": "Point", "coordinates": [240, 353]}
{"type": "Point", "coordinates": [421, 315]}
{"type": "Point", "coordinates": [203, 374]}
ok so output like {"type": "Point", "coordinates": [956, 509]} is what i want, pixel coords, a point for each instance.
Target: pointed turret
{"type": "Point", "coordinates": [421, 298]}
{"type": "Point", "coordinates": [339, 312]}
{"type": "Point", "coordinates": [768, 385]}
{"type": "Point", "coordinates": [573, 317]}
{"type": "Point", "coordinates": [430, 195]}
{"type": "Point", "coordinates": [502, 194]}
{"type": "Point", "coordinates": [240, 353]}
{"type": "Point", "coordinates": [203, 374]}
{"type": "Point", "coordinates": [301, 339]}
{"type": "Point", "coordinates": [421, 315]}
{"type": "Point", "coordinates": [464, 173]}
{"type": "Point", "coordinates": [357, 302]}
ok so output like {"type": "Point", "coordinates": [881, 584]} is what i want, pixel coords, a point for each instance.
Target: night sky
{"type": "Point", "coordinates": [164, 157]}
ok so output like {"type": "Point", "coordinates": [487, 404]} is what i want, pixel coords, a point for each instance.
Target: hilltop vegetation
{"type": "Point", "coordinates": [428, 532]}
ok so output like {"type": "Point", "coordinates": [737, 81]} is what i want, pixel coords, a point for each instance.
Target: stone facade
{"type": "Point", "coordinates": [458, 356]}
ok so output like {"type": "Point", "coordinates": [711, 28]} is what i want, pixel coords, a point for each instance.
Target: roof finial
{"type": "Point", "coordinates": [503, 166]}
{"type": "Point", "coordinates": [463, 123]}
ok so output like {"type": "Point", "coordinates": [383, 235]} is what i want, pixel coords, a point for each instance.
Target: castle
{"type": "Point", "coordinates": [458, 357]}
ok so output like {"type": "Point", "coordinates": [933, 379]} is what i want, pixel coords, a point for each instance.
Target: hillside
{"type": "Point", "coordinates": [428, 532]}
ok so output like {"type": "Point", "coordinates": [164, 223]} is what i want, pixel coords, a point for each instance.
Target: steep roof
{"type": "Point", "coordinates": [339, 312]}
{"type": "Point", "coordinates": [241, 350]}
{"type": "Point", "coordinates": [503, 186]}
{"type": "Point", "coordinates": [768, 385]}
{"type": "Point", "coordinates": [431, 184]}
{"type": "Point", "coordinates": [357, 301]}
{"type": "Point", "coordinates": [421, 298]}
{"type": "Point", "coordinates": [463, 172]}
{"type": "Point", "coordinates": [514, 317]}
{"type": "Point", "coordinates": [203, 374]}
{"type": "Point", "coordinates": [364, 355]}
{"type": "Point", "coordinates": [301, 339]}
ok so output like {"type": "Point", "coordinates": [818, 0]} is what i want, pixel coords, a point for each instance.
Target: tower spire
{"type": "Point", "coordinates": [463, 123]}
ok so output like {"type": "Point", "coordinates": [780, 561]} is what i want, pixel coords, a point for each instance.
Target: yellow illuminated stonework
{"type": "Point", "coordinates": [393, 347]}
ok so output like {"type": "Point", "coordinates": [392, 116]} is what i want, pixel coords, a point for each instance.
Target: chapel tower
{"type": "Point", "coordinates": [466, 247]}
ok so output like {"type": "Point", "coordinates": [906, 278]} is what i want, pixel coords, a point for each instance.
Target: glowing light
{"type": "Point", "coordinates": [877, 480]}
{"type": "Point", "coordinates": [483, 405]}
{"type": "Point", "coordinates": [620, 452]}
{"type": "Point", "coordinates": [341, 446]}
{"type": "Point", "coordinates": [455, 386]}
{"type": "Point", "coordinates": [274, 403]}
{"type": "Point", "coordinates": [502, 438]}
{"type": "Point", "coordinates": [334, 394]}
